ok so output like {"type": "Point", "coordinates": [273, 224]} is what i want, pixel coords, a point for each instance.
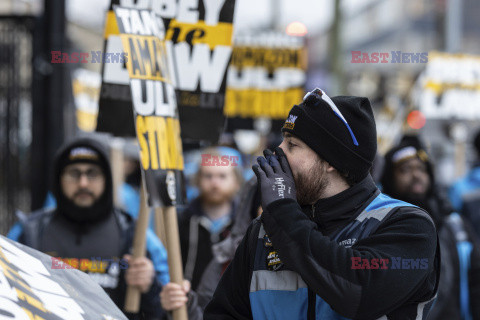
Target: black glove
{"type": "Point", "coordinates": [275, 178]}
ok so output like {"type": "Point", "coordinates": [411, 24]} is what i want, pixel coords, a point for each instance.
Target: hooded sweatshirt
{"type": "Point", "coordinates": [437, 205]}
{"type": "Point", "coordinates": [90, 239]}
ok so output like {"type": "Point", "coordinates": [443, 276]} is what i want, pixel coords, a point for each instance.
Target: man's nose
{"type": "Point", "coordinates": [83, 180]}
{"type": "Point", "coordinates": [282, 145]}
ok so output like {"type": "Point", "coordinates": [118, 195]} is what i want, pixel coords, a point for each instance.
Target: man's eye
{"type": "Point", "coordinates": [291, 145]}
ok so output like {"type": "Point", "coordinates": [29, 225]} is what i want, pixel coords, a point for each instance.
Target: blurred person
{"type": "Point", "coordinates": [209, 217]}
{"type": "Point", "coordinates": [408, 176]}
{"type": "Point", "coordinates": [87, 232]}
{"type": "Point", "coordinates": [315, 251]}
{"type": "Point", "coordinates": [465, 193]}
{"type": "Point", "coordinates": [129, 195]}
{"type": "Point", "coordinates": [173, 296]}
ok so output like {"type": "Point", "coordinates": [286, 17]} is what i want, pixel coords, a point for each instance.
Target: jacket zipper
{"type": "Point", "coordinates": [311, 305]}
{"type": "Point", "coordinates": [313, 211]}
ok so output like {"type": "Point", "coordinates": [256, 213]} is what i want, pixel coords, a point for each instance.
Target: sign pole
{"type": "Point", "coordinates": [174, 256]}
{"type": "Point", "coordinates": [132, 297]}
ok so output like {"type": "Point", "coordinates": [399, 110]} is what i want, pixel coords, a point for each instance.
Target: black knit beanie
{"type": "Point", "coordinates": [340, 130]}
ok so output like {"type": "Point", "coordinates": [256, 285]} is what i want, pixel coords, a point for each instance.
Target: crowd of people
{"type": "Point", "coordinates": [311, 236]}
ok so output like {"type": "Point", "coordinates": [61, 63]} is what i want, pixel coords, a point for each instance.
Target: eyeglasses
{"type": "Point", "coordinates": [321, 95]}
{"type": "Point", "coordinates": [75, 175]}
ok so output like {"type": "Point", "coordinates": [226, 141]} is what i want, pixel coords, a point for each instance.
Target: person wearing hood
{"type": "Point", "coordinates": [329, 244]}
{"type": "Point", "coordinates": [87, 232]}
{"type": "Point", "coordinates": [409, 176]}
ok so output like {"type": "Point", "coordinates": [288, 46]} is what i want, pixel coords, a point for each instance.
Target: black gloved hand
{"type": "Point", "coordinates": [275, 177]}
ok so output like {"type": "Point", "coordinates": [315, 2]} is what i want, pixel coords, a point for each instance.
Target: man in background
{"type": "Point", "coordinates": [87, 232]}
{"type": "Point", "coordinates": [408, 176]}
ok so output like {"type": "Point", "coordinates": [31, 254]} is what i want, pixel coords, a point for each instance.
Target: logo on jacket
{"type": "Point", "coordinates": [273, 261]}
{"type": "Point", "coordinates": [290, 122]}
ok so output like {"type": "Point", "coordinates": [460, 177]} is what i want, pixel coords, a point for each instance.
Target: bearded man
{"type": "Point", "coordinates": [329, 244]}
{"type": "Point", "coordinates": [209, 217]}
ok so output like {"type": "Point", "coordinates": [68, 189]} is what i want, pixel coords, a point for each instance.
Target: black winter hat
{"type": "Point", "coordinates": [340, 130]}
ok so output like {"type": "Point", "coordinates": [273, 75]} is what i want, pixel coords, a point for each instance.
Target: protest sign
{"type": "Point", "coordinates": [32, 286]}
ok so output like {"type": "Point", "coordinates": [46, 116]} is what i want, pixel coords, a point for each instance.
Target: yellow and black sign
{"type": "Point", "coordinates": [115, 101]}
{"type": "Point", "coordinates": [153, 97]}
{"type": "Point", "coordinates": [31, 288]}
{"type": "Point", "coordinates": [198, 40]}
{"type": "Point", "coordinates": [266, 77]}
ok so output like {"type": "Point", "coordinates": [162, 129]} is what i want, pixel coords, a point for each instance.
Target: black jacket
{"type": "Point", "coordinates": [108, 234]}
{"type": "Point", "coordinates": [302, 237]}
{"type": "Point", "coordinates": [196, 241]}
{"type": "Point", "coordinates": [35, 233]}
{"type": "Point", "coordinates": [447, 305]}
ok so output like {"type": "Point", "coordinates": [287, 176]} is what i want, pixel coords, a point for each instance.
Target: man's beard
{"type": "Point", "coordinates": [311, 185]}
{"type": "Point", "coordinates": [98, 211]}
{"type": "Point", "coordinates": [220, 198]}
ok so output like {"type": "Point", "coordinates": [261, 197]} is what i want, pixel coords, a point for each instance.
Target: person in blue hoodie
{"type": "Point", "coordinates": [86, 231]}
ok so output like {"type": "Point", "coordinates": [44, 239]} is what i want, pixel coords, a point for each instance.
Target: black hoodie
{"type": "Point", "coordinates": [88, 236]}
{"type": "Point", "coordinates": [100, 210]}
{"type": "Point", "coordinates": [436, 204]}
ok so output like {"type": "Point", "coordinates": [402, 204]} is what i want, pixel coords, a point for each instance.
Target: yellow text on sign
{"type": "Point", "coordinates": [200, 32]}
{"type": "Point", "coordinates": [254, 103]}
{"type": "Point", "coordinates": [160, 143]}
{"type": "Point", "coordinates": [269, 58]}
{"type": "Point", "coordinates": [146, 57]}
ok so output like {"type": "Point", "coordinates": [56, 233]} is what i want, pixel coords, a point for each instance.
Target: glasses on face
{"type": "Point", "coordinates": [321, 95]}
{"type": "Point", "coordinates": [75, 175]}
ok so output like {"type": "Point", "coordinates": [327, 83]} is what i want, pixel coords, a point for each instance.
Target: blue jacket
{"type": "Point", "coordinates": [463, 187]}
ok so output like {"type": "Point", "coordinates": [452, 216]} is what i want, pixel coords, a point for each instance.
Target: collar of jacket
{"type": "Point", "coordinates": [332, 213]}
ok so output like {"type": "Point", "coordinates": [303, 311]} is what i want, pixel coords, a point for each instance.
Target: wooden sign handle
{"type": "Point", "coordinates": [133, 294]}
{"type": "Point", "coordinates": [160, 226]}
{"type": "Point", "coordinates": [174, 255]}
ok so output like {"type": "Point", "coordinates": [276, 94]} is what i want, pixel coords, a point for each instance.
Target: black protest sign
{"type": "Point", "coordinates": [115, 103]}
{"type": "Point", "coordinates": [154, 103]}
{"type": "Point", "coordinates": [31, 288]}
{"type": "Point", "coordinates": [266, 78]}
{"type": "Point", "coordinates": [198, 38]}
{"type": "Point", "coordinates": [201, 47]}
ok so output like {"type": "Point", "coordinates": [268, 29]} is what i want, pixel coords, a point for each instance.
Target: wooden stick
{"type": "Point", "coordinates": [132, 298]}
{"type": "Point", "coordinates": [118, 173]}
{"type": "Point", "coordinates": [174, 255]}
{"type": "Point", "coordinates": [160, 225]}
